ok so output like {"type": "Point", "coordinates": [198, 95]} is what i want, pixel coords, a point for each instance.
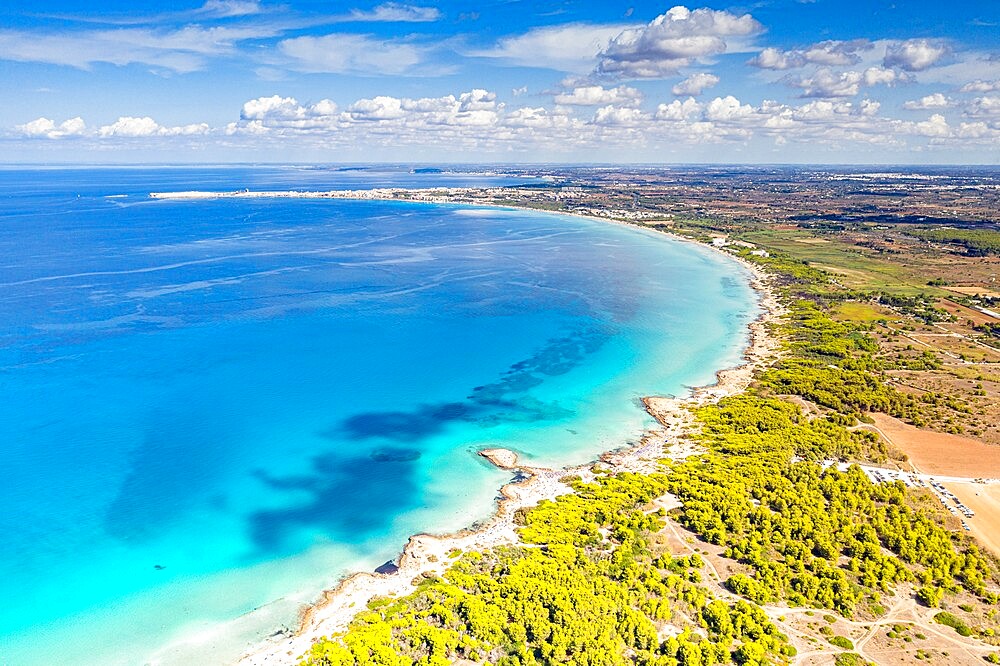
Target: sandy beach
{"type": "Point", "coordinates": [427, 555]}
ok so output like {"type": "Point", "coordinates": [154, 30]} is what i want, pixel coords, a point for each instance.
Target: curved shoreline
{"type": "Point", "coordinates": [429, 555]}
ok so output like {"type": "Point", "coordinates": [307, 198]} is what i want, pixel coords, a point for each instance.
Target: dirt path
{"type": "Point", "coordinates": [904, 610]}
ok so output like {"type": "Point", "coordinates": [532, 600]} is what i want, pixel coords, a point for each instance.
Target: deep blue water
{"type": "Point", "coordinates": [212, 407]}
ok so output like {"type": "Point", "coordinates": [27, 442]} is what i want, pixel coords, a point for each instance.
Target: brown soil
{"type": "Point", "coordinates": [939, 453]}
{"type": "Point", "coordinates": [974, 291]}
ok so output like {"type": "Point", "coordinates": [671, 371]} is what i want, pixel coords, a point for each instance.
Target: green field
{"type": "Point", "coordinates": [852, 268]}
{"type": "Point", "coordinates": [860, 312]}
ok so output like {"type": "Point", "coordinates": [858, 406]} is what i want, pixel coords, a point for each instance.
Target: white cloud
{"type": "Point", "coordinates": [695, 84]}
{"type": "Point", "coordinates": [822, 110]}
{"type": "Point", "coordinates": [382, 107]}
{"type": "Point", "coordinates": [932, 101]}
{"type": "Point", "coordinates": [727, 108]}
{"type": "Point", "coordinates": [620, 116]}
{"type": "Point", "coordinates": [935, 126]}
{"type": "Point", "coordinates": [915, 55]}
{"type": "Point", "coordinates": [342, 53]}
{"type": "Point", "coordinates": [988, 106]}
{"type": "Point", "coordinates": [230, 8]}
{"type": "Point", "coordinates": [48, 129]}
{"type": "Point", "coordinates": [536, 118]}
{"type": "Point", "coordinates": [476, 121]}
{"type": "Point", "coordinates": [826, 83]}
{"type": "Point", "coordinates": [286, 112]}
{"type": "Point", "coordinates": [880, 75]}
{"type": "Point", "coordinates": [397, 12]}
{"type": "Point", "coordinates": [869, 107]}
{"type": "Point", "coordinates": [567, 48]}
{"type": "Point", "coordinates": [672, 40]}
{"type": "Point", "coordinates": [773, 58]}
{"type": "Point", "coordinates": [978, 131]}
{"type": "Point", "coordinates": [129, 126]}
{"type": "Point", "coordinates": [262, 107]}
{"type": "Point", "coordinates": [980, 86]}
{"type": "Point", "coordinates": [473, 108]}
{"type": "Point", "coordinates": [829, 53]}
{"type": "Point", "coordinates": [598, 95]}
{"type": "Point", "coordinates": [836, 53]}
{"type": "Point", "coordinates": [678, 110]}
{"type": "Point", "coordinates": [133, 127]}
{"type": "Point", "coordinates": [182, 50]}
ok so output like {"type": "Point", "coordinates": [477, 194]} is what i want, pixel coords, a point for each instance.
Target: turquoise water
{"type": "Point", "coordinates": [211, 410]}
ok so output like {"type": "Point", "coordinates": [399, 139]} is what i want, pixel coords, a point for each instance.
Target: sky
{"type": "Point", "coordinates": [507, 81]}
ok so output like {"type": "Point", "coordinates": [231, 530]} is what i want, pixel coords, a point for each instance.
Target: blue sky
{"type": "Point", "coordinates": [507, 81]}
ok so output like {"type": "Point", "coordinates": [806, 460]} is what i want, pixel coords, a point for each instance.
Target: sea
{"type": "Point", "coordinates": [212, 410]}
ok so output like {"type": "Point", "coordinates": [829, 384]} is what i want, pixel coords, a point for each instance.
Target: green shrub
{"type": "Point", "coordinates": [842, 642]}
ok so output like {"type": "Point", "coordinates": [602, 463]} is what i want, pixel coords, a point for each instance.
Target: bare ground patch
{"type": "Point", "coordinates": [941, 453]}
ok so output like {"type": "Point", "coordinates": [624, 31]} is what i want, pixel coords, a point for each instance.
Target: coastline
{"type": "Point", "coordinates": [429, 555]}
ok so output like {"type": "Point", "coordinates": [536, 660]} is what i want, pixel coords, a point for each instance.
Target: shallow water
{"type": "Point", "coordinates": [213, 409]}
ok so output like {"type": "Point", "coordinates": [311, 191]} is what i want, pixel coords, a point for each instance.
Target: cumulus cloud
{"type": "Point", "coordinates": [143, 127]}
{"type": "Point", "coordinates": [476, 107]}
{"type": "Point", "coordinates": [829, 53]}
{"type": "Point", "coordinates": [987, 106]}
{"type": "Point", "coordinates": [599, 95]}
{"type": "Point", "coordinates": [915, 55]}
{"type": "Point", "coordinates": [678, 110]}
{"type": "Point", "coordinates": [869, 107]}
{"type": "Point", "coordinates": [936, 126]}
{"type": "Point", "coordinates": [48, 129]}
{"type": "Point", "coordinates": [874, 76]}
{"type": "Point", "coordinates": [672, 41]}
{"type": "Point", "coordinates": [284, 115]}
{"type": "Point", "coordinates": [382, 107]}
{"type": "Point", "coordinates": [287, 112]}
{"type": "Point", "coordinates": [932, 101]}
{"type": "Point", "coordinates": [695, 84]}
{"type": "Point", "coordinates": [540, 118]}
{"type": "Point", "coordinates": [774, 58]}
{"type": "Point", "coordinates": [397, 12]}
{"type": "Point", "coordinates": [567, 48]}
{"type": "Point", "coordinates": [980, 86]}
{"type": "Point", "coordinates": [620, 116]}
{"type": "Point", "coordinates": [477, 121]}
{"type": "Point", "coordinates": [727, 108]}
{"type": "Point", "coordinates": [342, 53]}
{"type": "Point", "coordinates": [827, 83]}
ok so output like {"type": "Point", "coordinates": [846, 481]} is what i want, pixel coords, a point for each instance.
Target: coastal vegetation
{"type": "Point", "coordinates": [583, 588]}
